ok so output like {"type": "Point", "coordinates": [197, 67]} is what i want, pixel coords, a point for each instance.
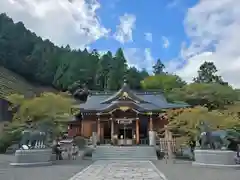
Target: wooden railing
{"type": "Point", "coordinates": [163, 144]}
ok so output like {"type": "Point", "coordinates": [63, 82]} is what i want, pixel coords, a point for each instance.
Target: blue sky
{"type": "Point", "coordinates": [182, 33]}
{"type": "Point", "coordinates": [161, 18]}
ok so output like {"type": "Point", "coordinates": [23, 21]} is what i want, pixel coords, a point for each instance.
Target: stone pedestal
{"type": "Point", "coordinates": [31, 157]}
{"type": "Point", "coordinates": [94, 139]}
{"type": "Point", "coordinates": [215, 158]}
{"type": "Point", "coordinates": [152, 138]}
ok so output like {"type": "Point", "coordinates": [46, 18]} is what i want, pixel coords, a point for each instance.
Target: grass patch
{"type": "Point", "coordinates": [12, 83]}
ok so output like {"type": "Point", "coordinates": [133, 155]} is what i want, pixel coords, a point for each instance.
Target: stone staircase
{"type": "Point", "coordinates": [124, 153]}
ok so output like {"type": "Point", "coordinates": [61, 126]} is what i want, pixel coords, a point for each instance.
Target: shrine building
{"type": "Point", "coordinates": [126, 115]}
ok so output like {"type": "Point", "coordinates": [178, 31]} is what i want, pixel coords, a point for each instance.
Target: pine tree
{"type": "Point", "coordinates": [207, 74]}
{"type": "Point", "coordinates": [158, 67]}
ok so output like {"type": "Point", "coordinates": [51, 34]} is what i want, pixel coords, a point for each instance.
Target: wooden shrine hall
{"type": "Point", "coordinates": [125, 117]}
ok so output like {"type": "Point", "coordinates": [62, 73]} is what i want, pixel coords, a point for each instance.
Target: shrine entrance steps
{"type": "Point", "coordinates": [124, 153]}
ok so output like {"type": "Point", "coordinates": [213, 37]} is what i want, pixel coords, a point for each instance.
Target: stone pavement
{"type": "Point", "coordinates": [183, 170]}
{"type": "Point", "coordinates": [120, 170]}
{"type": "Point", "coordinates": [64, 170]}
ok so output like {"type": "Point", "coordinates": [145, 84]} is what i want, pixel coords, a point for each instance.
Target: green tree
{"type": "Point", "coordinates": [207, 74]}
{"type": "Point", "coordinates": [134, 77]}
{"type": "Point", "coordinates": [43, 63]}
{"type": "Point", "coordinates": [103, 70]}
{"type": "Point", "coordinates": [212, 96]}
{"type": "Point", "coordinates": [118, 70]}
{"type": "Point", "coordinates": [54, 107]}
{"type": "Point", "coordinates": [159, 67]}
{"type": "Point", "coordinates": [185, 122]}
{"type": "Point", "coordinates": [165, 82]}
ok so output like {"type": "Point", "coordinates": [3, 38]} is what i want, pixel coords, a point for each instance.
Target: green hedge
{"type": "Point", "coordinates": [7, 139]}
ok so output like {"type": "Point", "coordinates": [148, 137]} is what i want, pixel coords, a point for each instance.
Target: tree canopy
{"type": "Point", "coordinates": [159, 67]}
{"type": "Point", "coordinates": [41, 62]}
{"type": "Point", "coordinates": [186, 121]}
{"type": "Point", "coordinates": [164, 82]}
{"type": "Point", "coordinates": [211, 95]}
{"type": "Point", "coordinates": [50, 106]}
{"type": "Point", "coordinates": [207, 74]}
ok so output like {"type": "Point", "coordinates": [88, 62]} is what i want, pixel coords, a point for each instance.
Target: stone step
{"type": "Point", "coordinates": [136, 159]}
{"type": "Point", "coordinates": [121, 149]}
{"type": "Point", "coordinates": [124, 153]}
{"type": "Point", "coordinates": [127, 153]}
{"type": "Point", "coordinates": [114, 157]}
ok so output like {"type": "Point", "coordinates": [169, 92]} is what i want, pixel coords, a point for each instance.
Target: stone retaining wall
{"type": "Point", "coordinates": [32, 157]}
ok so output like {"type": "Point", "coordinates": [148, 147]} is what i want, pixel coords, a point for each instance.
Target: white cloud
{"type": "Point", "coordinates": [166, 42]}
{"type": "Point", "coordinates": [213, 27]}
{"type": "Point", "coordinates": [64, 22]}
{"type": "Point", "coordinates": [148, 36]}
{"type": "Point", "coordinates": [139, 59]}
{"type": "Point", "coordinates": [192, 66]}
{"type": "Point", "coordinates": [125, 28]}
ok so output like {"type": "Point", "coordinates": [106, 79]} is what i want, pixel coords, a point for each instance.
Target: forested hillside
{"type": "Point", "coordinates": [29, 64]}
{"type": "Point", "coordinates": [12, 83]}
{"type": "Point", "coordinates": [40, 61]}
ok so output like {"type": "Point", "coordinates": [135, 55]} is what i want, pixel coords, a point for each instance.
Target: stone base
{"type": "Point", "coordinates": [32, 164]}
{"type": "Point", "coordinates": [215, 158]}
{"type": "Point", "coordinates": [237, 166]}
{"type": "Point", "coordinates": [32, 157]}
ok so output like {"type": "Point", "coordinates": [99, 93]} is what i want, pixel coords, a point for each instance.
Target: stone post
{"type": "Point", "coordinates": [94, 139]}
{"type": "Point", "coordinates": [152, 138]}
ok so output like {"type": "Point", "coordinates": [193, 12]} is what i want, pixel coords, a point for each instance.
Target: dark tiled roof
{"type": "Point", "coordinates": [145, 101]}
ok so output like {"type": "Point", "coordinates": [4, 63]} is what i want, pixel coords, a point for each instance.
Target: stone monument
{"type": "Point", "coordinates": [33, 149]}
{"type": "Point", "coordinates": [215, 148]}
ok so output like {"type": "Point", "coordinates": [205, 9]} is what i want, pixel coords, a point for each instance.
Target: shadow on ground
{"type": "Point", "coordinates": [61, 170]}
{"type": "Point", "coordinates": [183, 170]}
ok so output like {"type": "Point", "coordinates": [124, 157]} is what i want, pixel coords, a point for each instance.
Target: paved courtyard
{"type": "Point", "coordinates": [113, 170]}
{"type": "Point", "coordinates": [120, 170]}
{"type": "Point", "coordinates": [63, 170]}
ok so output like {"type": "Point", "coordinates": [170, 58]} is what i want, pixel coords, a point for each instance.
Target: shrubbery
{"type": "Point", "coordinates": [80, 141]}
{"type": "Point", "coordinates": [9, 138]}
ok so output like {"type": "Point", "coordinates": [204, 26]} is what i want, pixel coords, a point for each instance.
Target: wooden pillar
{"type": "Point", "coordinates": [82, 125]}
{"type": "Point", "coordinates": [137, 131]}
{"type": "Point", "coordinates": [98, 129]}
{"type": "Point", "coordinates": [82, 128]}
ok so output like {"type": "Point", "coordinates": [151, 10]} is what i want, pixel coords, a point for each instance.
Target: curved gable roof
{"type": "Point", "coordinates": [143, 101]}
{"type": "Point", "coordinates": [125, 89]}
